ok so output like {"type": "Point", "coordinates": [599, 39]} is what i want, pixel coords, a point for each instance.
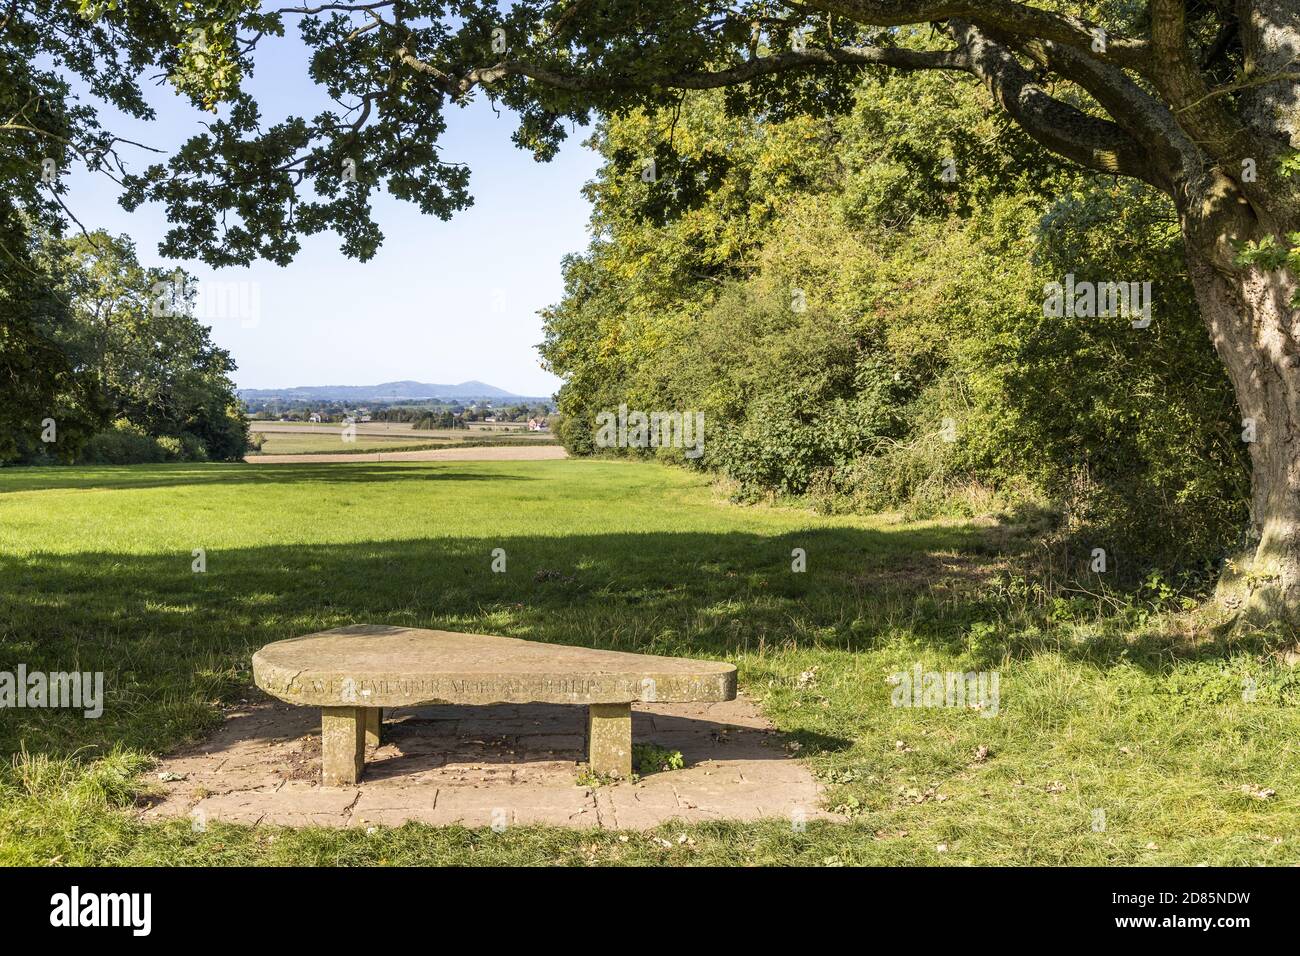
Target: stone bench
{"type": "Point", "coordinates": [353, 673]}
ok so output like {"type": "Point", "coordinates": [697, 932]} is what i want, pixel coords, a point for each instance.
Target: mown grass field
{"type": "Point", "coordinates": [1139, 714]}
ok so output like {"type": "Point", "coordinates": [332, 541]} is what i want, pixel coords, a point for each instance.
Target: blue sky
{"type": "Point", "coordinates": [441, 302]}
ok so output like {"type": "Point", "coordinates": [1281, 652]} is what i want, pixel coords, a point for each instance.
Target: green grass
{"type": "Point", "coordinates": [1135, 714]}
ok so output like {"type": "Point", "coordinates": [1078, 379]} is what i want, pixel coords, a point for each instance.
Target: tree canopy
{"type": "Point", "coordinates": [1166, 92]}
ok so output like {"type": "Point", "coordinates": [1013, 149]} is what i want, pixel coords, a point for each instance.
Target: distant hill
{"type": "Point", "coordinates": [386, 392]}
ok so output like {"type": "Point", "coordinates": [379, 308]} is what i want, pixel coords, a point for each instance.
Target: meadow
{"type": "Point", "coordinates": [1127, 732]}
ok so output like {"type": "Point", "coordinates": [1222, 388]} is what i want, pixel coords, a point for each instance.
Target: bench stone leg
{"type": "Point", "coordinates": [342, 745]}
{"type": "Point", "coordinates": [374, 726]}
{"type": "Point", "coordinates": [609, 729]}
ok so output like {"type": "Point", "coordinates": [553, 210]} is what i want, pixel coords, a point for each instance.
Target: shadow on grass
{"type": "Point", "coordinates": [179, 475]}
{"type": "Point", "coordinates": [173, 644]}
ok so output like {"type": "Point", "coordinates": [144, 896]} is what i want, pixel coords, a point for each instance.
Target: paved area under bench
{"type": "Point", "coordinates": [506, 764]}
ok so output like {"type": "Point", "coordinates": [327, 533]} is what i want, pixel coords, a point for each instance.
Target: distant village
{"type": "Point", "coordinates": [535, 416]}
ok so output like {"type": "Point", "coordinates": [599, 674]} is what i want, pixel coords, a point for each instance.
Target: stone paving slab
{"type": "Point", "coordinates": [454, 764]}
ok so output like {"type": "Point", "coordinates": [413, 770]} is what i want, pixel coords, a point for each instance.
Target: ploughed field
{"type": "Point", "coordinates": [1086, 734]}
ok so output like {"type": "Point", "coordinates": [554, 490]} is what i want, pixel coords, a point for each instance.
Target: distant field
{"type": "Point", "coordinates": [331, 442]}
{"type": "Point", "coordinates": [307, 438]}
{"type": "Point", "coordinates": [475, 431]}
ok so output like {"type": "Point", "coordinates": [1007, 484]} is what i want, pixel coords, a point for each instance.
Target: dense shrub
{"type": "Point", "coordinates": [125, 443]}
{"type": "Point", "coordinates": [871, 336]}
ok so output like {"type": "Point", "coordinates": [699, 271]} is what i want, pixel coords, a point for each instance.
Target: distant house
{"type": "Point", "coordinates": [490, 420]}
{"type": "Point", "coordinates": [314, 417]}
{"type": "Point", "coordinates": [536, 425]}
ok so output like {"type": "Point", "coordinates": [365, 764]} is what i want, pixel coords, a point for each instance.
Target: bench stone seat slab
{"type": "Point", "coordinates": [377, 666]}
{"type": "Point", "coordinates": [353, 672]}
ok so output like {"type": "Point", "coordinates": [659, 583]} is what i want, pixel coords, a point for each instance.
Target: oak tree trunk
{"type": "Point", "coordinates": [1253, 325]}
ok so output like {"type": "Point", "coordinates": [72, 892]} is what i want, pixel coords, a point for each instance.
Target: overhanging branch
{"type": "Point", "coordinates": [1173, 154]}
{"type": "Point", "coordinates": [899, 58]}
{"type": "Point", "coordinates": [1092, 142]}
{"type": "Point", "coordinates": [1087, 140]}
{"type": "Point", "coordinates": [1005, 15]}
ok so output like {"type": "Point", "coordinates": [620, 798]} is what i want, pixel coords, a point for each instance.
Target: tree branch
{"type": "Point", "coordinates": [1180, 82]}
{"type": "Point", "coordinates": [1219, 46]}
{"type": "Point", "coordinates": [1149, 121]}
{"type": "Point", "coordinates": [1216, 128]}
{"type": "Point", "coordinates": [348, 7]}
{"type": "Point", "coordinates": [1005, 15]}
{"type": "Point", "coordinates": [1245, 85]}
{"type": "Point", "coordinates": [1091, 142]}
{"type": "Point", "coordinates": [898, 58]}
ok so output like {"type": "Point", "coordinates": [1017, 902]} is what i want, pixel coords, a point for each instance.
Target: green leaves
{"type": "Point", "coordinates": [251, 187]}
{"type": "Point", "coordinates": [1268, 253]}
{"type": "Point", "coordinates": [1271, 253]}
{"type": "Point", "coordinates": [921, 360]}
